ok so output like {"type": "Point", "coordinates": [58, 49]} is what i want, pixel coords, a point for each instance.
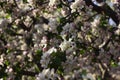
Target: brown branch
{"type": "Point", "coordinates": [16, 4]}
{"type": "Point", "coordinates": [104, 9]}
{"type": "Point", "coordinates": [28, 73]}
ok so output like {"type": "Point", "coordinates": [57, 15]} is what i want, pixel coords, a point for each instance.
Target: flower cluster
{"type": "Point", "coordinates": [59, 40]}
{"type": "Point", "coordinates": [47, 74]}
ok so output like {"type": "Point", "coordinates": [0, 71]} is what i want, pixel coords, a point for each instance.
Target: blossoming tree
{"type": "Point", "coordinates": [59, 40]}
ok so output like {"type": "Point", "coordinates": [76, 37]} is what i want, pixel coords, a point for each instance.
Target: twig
{"type": "Point", "coordinates": [104, 9]}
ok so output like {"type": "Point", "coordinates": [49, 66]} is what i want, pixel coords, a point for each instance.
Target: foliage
{"type": "Point", "coordinates": [59, 40]}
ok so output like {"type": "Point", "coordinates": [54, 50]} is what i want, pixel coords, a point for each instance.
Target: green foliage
{"type": "Point", "coordinates": [25, 1]}
{"type": "Point", "coordinates": [113, 63]}
{"type": "Point", "coordinates": [84, 72]}
{"type": "Point", "coordinates": [99, 78]}
{"type": "Point", "coordinates": [23, 44]}
{"type": "Point", "coordinates": [2, 3]}
{"type": "Point", "coordinates": [82, 51]}
{"type": "Point", "coordinates": [2, 72]}
{"type": "Point", "coordinates": [57, 59]}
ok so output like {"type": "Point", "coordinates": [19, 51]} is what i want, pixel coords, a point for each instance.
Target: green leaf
{"type": "Point", "coordinates": [82, 51]}
{"type": "Point", "coordinates": [7, 63]}
{"type": "Point", "coordinates": [84, 72]}
{"type": "Point", "coordinates": [99, 78]}
{"type": "Point", "coordinates": [39, 52]}
{"type": "Point", "coordinates": [5, 78]}
{"type": "Point", "coordinates": [8, 51]}
{"type": "Point", "coordinates": [25, 1]}
{"type": "Point", "coordinates": [57, 59]}
{"type": "Point", "coordinates": [8, 16]}
{"type": "Point", "coordinates": [36, 68]}
{"type": "Point", "coordinates": [113, 63]}
{"type": "Point", "coordinates": [60, 70]}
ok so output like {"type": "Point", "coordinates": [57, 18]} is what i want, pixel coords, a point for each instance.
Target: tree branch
{"type": "Point", "coordinates": [104, 9]}
{"type": "Point", "coordinates": [28, 73]}
{"type": "Point", "coordinates": [16, 4]}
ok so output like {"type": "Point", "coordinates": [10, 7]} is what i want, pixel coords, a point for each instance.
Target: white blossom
{"type": "Point", "coordinates": [53, 25]}
{"type": "Point", "coordinates": [45, 59]}
{"type": "Point", "coordinates": [76, 5]}
{"type": "Point", "coordinates": [3, 23]}
{"type": "Point", "coordinates": [47, 74]}
{"type": "Point", "coordinates": [88, 76]}
{"type": "Point", "coordinates": [96, 21]}
{"type": "Point", "coordinates": [67, 45]}
{"type": "Point", "coordinates": [39, 28]}
{"type": "Point", "coordinates": [53, 2]}
{"type": "Point", "coordinates": [1, 60]}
